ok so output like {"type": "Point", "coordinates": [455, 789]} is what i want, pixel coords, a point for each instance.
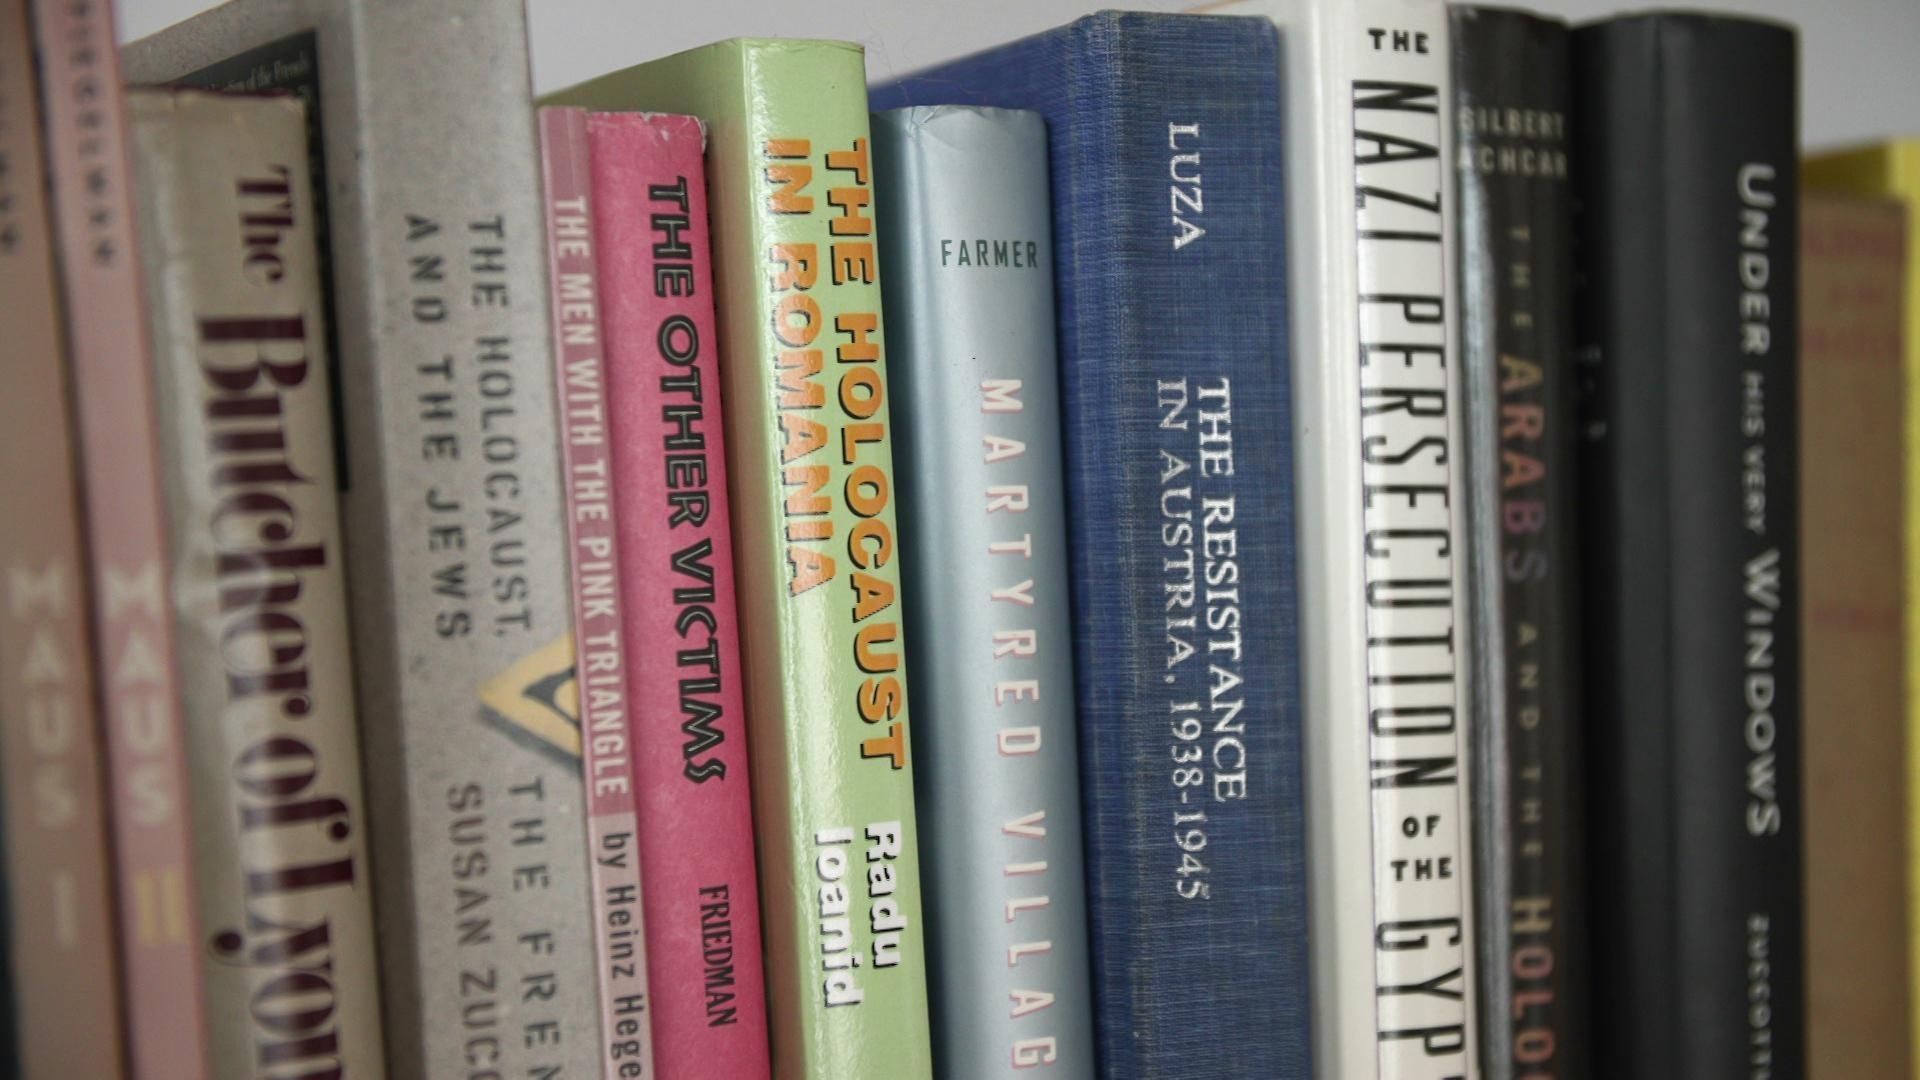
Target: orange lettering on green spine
{"type": "Point", "coordinates": [797, 367]}
{"type": "Point", "coordinates": [789, 179]}
{"type": "Point", "coordinates": [871, 596]}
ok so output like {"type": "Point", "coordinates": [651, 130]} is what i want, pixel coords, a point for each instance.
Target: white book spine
{"type": "Point", "coordinates": [1385, 639]}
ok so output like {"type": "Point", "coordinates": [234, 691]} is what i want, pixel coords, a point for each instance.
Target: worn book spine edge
{"type": "Point", "coordinates": [92, 185]}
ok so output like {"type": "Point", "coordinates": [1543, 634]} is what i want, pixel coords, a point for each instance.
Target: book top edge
{"type": "Point", "coordinates": [782, 44]}
{"type": "Point", "coordinates": [650, 118]}
{"type": "Point", "coordinates": [1689, 19]}
{"type": "Point", "coordinates": [1112, 20]}
{"type": "Point", "coordinates": [1505, 12]}
{"type": "Point", "coordinates": [612, 90]}
{"type": "Point", "coordinates": [745, 45]}
{"type": "Point", "coordinates": [914, 116]}
{"type": "Point", "coordinates": [163, 98]}
{"type": "Point", "coordinates": [1893, 147]}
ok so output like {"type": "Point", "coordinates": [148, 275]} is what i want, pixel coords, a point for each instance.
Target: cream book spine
{"type": "Point", "coordinates": [259, 584]}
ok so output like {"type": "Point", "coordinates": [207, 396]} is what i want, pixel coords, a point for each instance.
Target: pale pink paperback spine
{"type": "Point", "coordinates": [91, 180]}
{"type": "Point", "coordinates": [663, 394]}
{"type": "Point", "coordinates": [600, 664]}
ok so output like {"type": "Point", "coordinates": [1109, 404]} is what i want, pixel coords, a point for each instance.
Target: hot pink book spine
{"type": "Point", "coordinates": [600, 655]}
{"type": "Point", "coordinates": [689, 732]}
{"type": "Point", "coordinates": [113, 386]}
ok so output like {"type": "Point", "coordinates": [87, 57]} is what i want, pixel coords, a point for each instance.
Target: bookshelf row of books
{"type": "Point", "coordinates": [1332, 470]}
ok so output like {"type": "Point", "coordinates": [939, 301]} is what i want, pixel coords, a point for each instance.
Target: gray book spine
{"type": "Point", "coordinates": [259, 585]}
{"type": "Point", "coordinates": [965, 225]}
{"type": "Point", "coordinates": [457, 567]}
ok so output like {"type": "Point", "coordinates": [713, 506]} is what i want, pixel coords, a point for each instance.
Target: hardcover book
{"type": "Point", "coordinates": [1165, 153]}
{"type": "Point", "coordinates": [1511, 100]}
{"type": "Point", "coordinates": [1892, 170]}
{"type": "Point", "coordinates": [653, 249]}
{"type": "Point", "coordinates": [1386, 649]}
{"type": "Point", "coordinates": [1853, 266]}
{"type": "Point", "coordinates": [91, 179]}
{"type": "Point", "coordinates": [259, 583]}
{"type": "Point", "coordinates": [1684, 170]}
{"type": "Point", "coordinates": [803, 366]}
{"type": "Point", "coordinates": [600, 647]}
{"type": "Point", "coordinates": [60, 921]}
{"type": "Point", "coordinates": [966, 236]}
{"type": "Point", "coordinates": [452, 506]}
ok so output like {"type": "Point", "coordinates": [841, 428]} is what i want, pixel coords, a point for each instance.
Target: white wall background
{"type": "Point", "coordinates": [1860, 58]}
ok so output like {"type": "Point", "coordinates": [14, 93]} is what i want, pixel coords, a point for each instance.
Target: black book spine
{"type": "Point", "coordinates": [1686, 223]}
{"type": "Point", "coordinates": [1512, 100]}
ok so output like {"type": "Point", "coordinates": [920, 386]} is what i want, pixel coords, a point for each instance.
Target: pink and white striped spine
{"type": "Point", "coordinates": [600, 661]}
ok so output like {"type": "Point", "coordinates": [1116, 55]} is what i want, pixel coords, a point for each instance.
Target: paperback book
{"type": "Point", "coordinates": [803, 382]}
{"type": "Point", "coordinates": [59, 899]}
{"type": "Point", "coordinates": [452, 505]}
{"type": "Point", "coordinates": [259, 583]}
{"type": "Point", "coordinates": [599, 594]}
{"type": "Point", "coordinates": [672, 513]}
{"type": "Point", "coordinates": [118, 441]}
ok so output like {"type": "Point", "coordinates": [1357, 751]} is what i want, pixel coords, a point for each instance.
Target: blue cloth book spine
{"type": "Point", "coordinates": [1165, 145]}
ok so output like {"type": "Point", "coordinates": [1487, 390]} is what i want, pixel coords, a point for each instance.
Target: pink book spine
{"type": "Point", "coordinates": [92, 178]}
{"type": "Point", "coordinates": [689, 733]}
{"type": "Point", "coordinates": [600, 658]}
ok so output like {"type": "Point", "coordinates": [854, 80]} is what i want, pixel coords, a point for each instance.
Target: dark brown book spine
{"type": "Point", "coordinates": [91, 182]}
{"type": "Point", "coordinates": [65, 979]}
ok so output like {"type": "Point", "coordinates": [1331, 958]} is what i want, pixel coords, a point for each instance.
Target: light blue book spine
{"type": "Point", "coordinates": [965, 225]}
{"type": "Point", "coordinates": [1171, 284]}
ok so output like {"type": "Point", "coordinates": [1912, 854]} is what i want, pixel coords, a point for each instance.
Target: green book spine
{"type": "Point", "coordinates": [817, 557]}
